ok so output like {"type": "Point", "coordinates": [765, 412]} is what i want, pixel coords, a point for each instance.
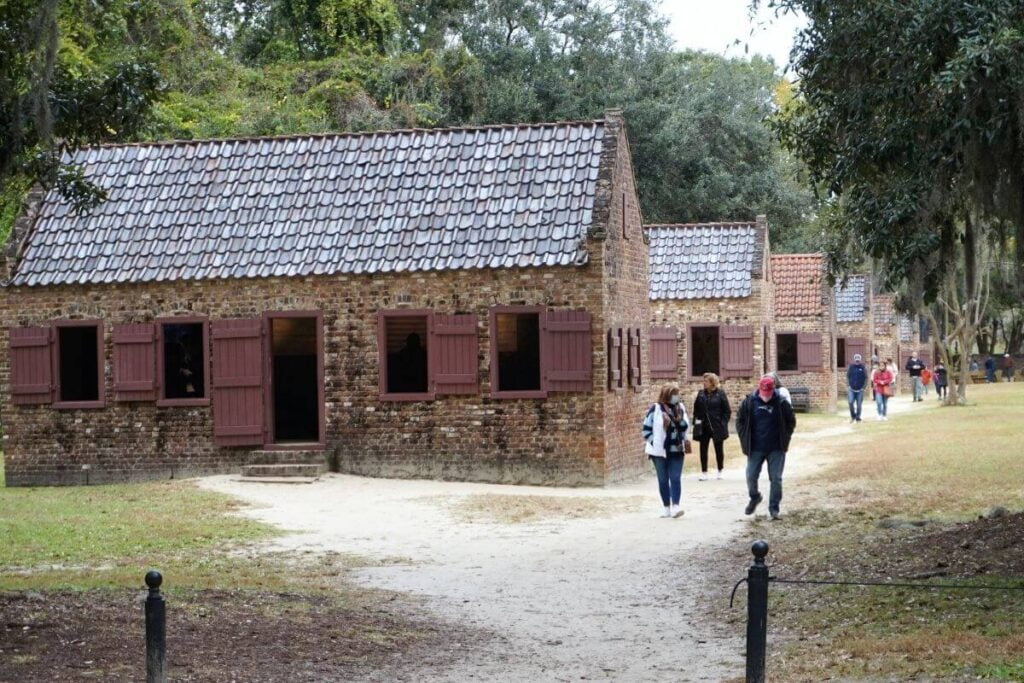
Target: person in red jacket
{"type": "Point", "coordinates": [882, 381]}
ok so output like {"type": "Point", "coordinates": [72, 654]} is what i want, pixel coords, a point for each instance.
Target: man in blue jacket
{"type": "Point", "coordinates": [856, 380]}
{"type": "Point", "coordinates": [765, 425]}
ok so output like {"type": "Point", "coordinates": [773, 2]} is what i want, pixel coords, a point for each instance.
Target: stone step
{"type": "Point", "coordinates": [293, 469]}
{"type": "Point", "coordinates": [277, 480]}
{"type": "Point", "coordinates": [285, 457]}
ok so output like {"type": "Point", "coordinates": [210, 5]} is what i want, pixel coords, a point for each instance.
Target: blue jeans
{"type": "Point", "coordinates": [918, 388]}
{"type": "Point", "coordinates": [856, 401]}
{"type": "Point", "coordinates": [881, 404]}
{"type": "Point", "coordinates": [776, 463]}
{"type": "Point", "coordinates": [669, 469]}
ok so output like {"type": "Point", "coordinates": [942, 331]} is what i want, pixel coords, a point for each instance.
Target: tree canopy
{"type": "Point", "coordinates": [159, 69]}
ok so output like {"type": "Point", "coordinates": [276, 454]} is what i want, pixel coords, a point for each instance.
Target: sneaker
{"type": "Point", "coordinates": [719, 474]}
{"type": "Point", "coordinates": [885, 418]}
{"type": "Point", "coordinates": [677, 511]}
{"type": "Point", "coordinates": [752, 505]}
{"type": "Point", "coordinates": [666, 514]}
{"type": "Point", "coordinates": [703, 476]}
{"type": "Point", "coordinates": [774, 514]}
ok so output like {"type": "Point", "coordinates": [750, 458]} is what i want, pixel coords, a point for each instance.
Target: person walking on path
{"type": "Point", "coordinates": [926, 379]}
{"type": "Point", "coordinates": [990, 369]}
{"type": "Point", "coordinates": [1007, 368]}
{"type": "Point", "coordinates": [664, 432]}
{"type": "Point", "coordinates": [894, 371]}
{"type": "Point", "coordinates": [941, 380]}
{"type": "Point", "coordinates": [765, 425]}
{"type": "Point", "coordinates": [711, 414]}
{"type": "Point", "coordinates": [856, 380]}
{"type": "Point", "coordinates": [882, 381]}
{"type": "Point", "coordinates": [914, 367]}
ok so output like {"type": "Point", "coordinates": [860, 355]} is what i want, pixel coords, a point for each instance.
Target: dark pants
{"type": "Point", "coordinates": [776, 462]}
{"type": "Point", "coordinates": [940, 389]}
{"type": "Point", "coordinates": [669, 469]}
{"type": "Point", "coordinates": [719, 454]}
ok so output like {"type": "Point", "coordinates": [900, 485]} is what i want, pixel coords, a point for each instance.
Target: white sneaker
{"type": "Point", "coordinates": [666, 514]}
{"type": "Point", "coordinates": [703, 476]}
{"type": "Point", "coordinates": [885, 418]}
{"type": "Point", "coordinates": [719, 474]}
{"type": "Point", "coordinates": [677, 511]}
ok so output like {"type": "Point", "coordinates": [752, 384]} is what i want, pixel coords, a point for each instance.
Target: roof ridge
{"type": "Point", "coordinates": [345, 134]}
{"type": "Point", "coordinates": [709, 224]}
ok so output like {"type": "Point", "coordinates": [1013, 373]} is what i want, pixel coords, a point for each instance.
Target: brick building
{"type": "Point", "coordinates": [854, 325]}
{"type": "Point", "coordinates": [803, 345]}
{"type": "Point", "coordinates": [467, 303]}
{"type": "Point", "coordinates": [886, 341]}
{"type": "Point", "coordinates": [711, 303]}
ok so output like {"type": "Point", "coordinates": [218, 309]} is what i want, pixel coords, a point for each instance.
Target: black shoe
{"type": "Point", "coordinates": [752, 505]}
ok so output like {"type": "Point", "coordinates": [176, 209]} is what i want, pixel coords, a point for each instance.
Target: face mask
{"type": "Point", "coordinates": [674, 400]}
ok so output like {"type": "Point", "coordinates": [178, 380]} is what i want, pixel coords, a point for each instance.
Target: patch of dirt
{"type": "Point", "coordinates": [211, 636]}
{"type": "Point", "coordinates": [508, 509]}
{"type": "Point", "coordinates": [984, 546]}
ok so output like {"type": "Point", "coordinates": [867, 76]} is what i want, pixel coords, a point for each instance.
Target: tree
{"type": "Point", "coordinates": [911, 116]}
{"type": "Point", "coordinates": [68, 77]}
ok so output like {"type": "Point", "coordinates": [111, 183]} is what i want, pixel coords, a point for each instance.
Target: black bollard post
{"type": "Point", "coordinates": [156, 631]}
{"type": "Point", "coordinates": [757, 613]}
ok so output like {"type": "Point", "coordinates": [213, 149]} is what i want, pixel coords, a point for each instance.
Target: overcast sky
{"type": "Point", "coordinates": [717, 25]}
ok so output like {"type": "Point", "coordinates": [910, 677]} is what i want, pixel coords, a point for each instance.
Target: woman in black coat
{"type": "Point", "coordinates": [711, 411]}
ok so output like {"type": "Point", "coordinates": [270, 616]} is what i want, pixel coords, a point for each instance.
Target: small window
{"type": "Point", "coordinates": [841, 352]}
{"type": "Point", "coordinates": [704, 350]}
{"type": "Point", "coordinates": [405, 339]}
{"type": "Point", "coordinates": [183, 357]}
{"type": "Point", "coordinates": [79, 368]}
{"type": "Point", "coordinates": [786, 350]}
{"type": "Point", "coordinates": [516, 338]}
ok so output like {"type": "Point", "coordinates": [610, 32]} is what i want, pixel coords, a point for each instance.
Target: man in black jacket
{"type": "Point", "coordinates": [765, 425]}
{"type": "Point", "coordinates": [914, 367]}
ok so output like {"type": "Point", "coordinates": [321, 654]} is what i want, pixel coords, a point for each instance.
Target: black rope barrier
{"type": "Point", "coordinates": [891, 584]}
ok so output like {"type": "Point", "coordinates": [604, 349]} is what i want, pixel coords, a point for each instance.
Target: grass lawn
{"type": "Point", "coordinates": [900, 501]}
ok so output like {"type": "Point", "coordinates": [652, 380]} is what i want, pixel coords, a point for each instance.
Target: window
{"type": "Point", "coordinates": [787, 358]}
{"type": "Point", "coordinates": [704, 350]}
{"type": "Point", "coordinates": [182, 361]}
{"type": "Point", "coordinates": [841, 352]}
{"type": "Point", "coordinates": [404, 337]}
{"type": "Point", "coordinates": [516, 351]}
{"type": "Point", "coordinates": [79, 357]}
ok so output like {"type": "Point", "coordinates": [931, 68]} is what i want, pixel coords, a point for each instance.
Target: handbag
{"type": "Point", "coordinates": [688, 446]}
{"type": "Point", "coordinates": [887, 390]}
{"type": "Point", "coordinates": [698, 429]}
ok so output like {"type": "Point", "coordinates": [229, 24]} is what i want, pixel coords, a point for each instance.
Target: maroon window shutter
{"type": "Point", "coordinates": [569, 356]}
{"type": "Point", "coordinates": [31, 365]}
{"type": "Point", "coordinates": [809, 352]}
{"type": "Point", "coordinates": [855, 345]}
{"type": "Point", "coordinates": [455, 348]}
{"type": "Point", "coordinates": [736, 346]}
{"type": "Point", "coordinates": [664, 353]}
{"type": "Point", "coordinates": [237, 382]}
{"type": "Point", "coordinates": [636, 377]}
{"type": "Point", "coordinates": [614, 359]}
{"type": "Point", "coordinates": [135, 376]}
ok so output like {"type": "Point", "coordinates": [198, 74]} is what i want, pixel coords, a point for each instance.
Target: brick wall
{"type": "Point", "coordinates": [539, 441]}
{"type": "Point", "coordinates": [626, 304]}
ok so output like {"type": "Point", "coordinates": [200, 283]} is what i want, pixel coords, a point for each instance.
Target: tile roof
{"type": "Point", "coordinates": [412, 200]}
{"type": "Point", "coordinates": [852, 299]}
{"type": "Point", "coordinates": [703, 260]}
{"type": "Point", "coordinates": [884, 312]}
{"type": "Point", "coordinates": [906, 324]}
{"type": "Point", "coordinates": [798, 284]}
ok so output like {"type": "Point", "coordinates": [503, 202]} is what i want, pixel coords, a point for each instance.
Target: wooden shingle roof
{"type": "Point", "coordinates": [704, 260]}
{"type": "Point", "coordinates": [412, 200]}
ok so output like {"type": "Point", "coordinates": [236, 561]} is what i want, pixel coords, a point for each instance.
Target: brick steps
{"type": "Point", "coordinates": [290, 469]}
{"type": "Point", "coordinates": [285, 457]}
{"type": "Point", "coordinates": [278, 480]}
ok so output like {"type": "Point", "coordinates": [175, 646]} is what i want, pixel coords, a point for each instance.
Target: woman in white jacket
{"type": "Point", "coordinates": [665, 435]}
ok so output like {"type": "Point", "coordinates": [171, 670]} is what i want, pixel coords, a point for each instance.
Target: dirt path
{"type": "Point", "coordinates": [566, 598]}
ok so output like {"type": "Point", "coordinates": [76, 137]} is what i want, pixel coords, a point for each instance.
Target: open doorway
{"type": "Point", "coordinates": [296, 386]}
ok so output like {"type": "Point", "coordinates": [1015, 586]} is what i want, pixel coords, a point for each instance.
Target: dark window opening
{"type": "Point", "coordinates": [406, 339]}
{"type": "Point", "coordinates": [786, 350]}
{"type": "Point", "coordinates": [293, 348]}
{"type": "Point", "coordinates": [184, 361]}
{"type": "Point", "coordinates": [704, 350]}
{"type": "Point", "coordinates": [518, 348]}
{"type": "Point", "coordinates": [79, 363]}
{"type": "Point", "coordinates": [841, 352]}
